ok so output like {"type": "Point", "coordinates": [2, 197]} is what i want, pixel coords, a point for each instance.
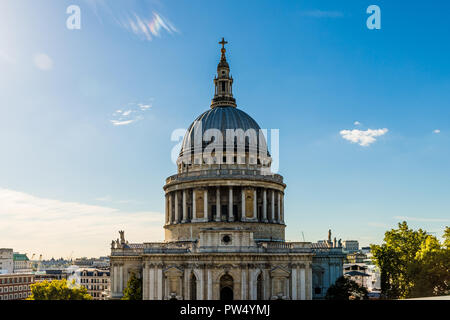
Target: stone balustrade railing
{"type": "Point", "coordinates": [192, 247]}
{"type": "Point", "coordinates": [223, 173]}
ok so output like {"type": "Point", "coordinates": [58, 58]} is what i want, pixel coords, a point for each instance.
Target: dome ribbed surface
{"type": "Point", "coordinates": [221, 118]}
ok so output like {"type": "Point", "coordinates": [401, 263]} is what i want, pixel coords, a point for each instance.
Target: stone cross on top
{"type": "Point", "coordinates": [223, 43]}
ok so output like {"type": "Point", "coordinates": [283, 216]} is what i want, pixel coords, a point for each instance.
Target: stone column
{"type": "Point", "coordinates": [186, 286]}
{"type": "Point", "coordinates": [176, 208]}
{"type": "Point", "coordinates": [264, 208]}
{"type": "Point", "coordinates": [218, 205]}
{"type": "Point", "coordinates": [302, 284]}
{"type": "Point", "coordinates": [205, 206]}
{"type": "Point", "coordinates": [159, 275]}
{"type": "Point", "coordinates": [185, 217]}
{"type": "Point", "coordinates": [279, 207]}
{"type": "Point", "coordinates": [273, 206]}
{"type": "Point", "coordinates": [167, 209]}
{"type": "Point", "coordinates": [121, 280]}
{"type": "Point", "coordinates": [230, 204]}
{"type": "Point", "coordinates": [253, 284]}
{"type": "Point", "coordinates": [255, 204]}
{"type": "Point", "coordinates": [244, 289]}
{"type": "Point", "coordinates": [151, 277]}
{"type": "Point", "coordinates": [114, 280]}
{"type": "Point", "coordinates": [267, 289]}
{"type": "Point", "coordinates": [243, 204]}
{"type": "Point", "coordinates": [294, 282]}
{"type": "Point", "coordinates": [170, 209]}
{"type": "Point", "coordinates": [145, 282]}
{"type": "Point", "coordinates": [200, 286]}
{"type": "Point", "coordinates": [210, 285]}
{"type": "Point", "coordinates": [308, 282]}
{"type": "Point", "coordinates": [194, 209]}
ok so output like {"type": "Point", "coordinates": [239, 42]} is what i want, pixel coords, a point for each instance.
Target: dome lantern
{"type": "Point", "coordinates": [223, 82]}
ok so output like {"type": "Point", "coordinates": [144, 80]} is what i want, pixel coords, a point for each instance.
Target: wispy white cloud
{"type": "Point", "coordinates": [145, 26]}
{"type": "Point", "coordinates": [54, 228]}
{"type": "Point", "coordinates": [421, 219]}
{"type": "Point", "coordinates": [322, 14]}
{"type": "Point", "coordinates": [437, 131]}
{"type": "Point", "coordinates": [363, 137]}
{"type": "Point", "coordinates": [131, 113]}
{"type": "Point", "coordinates": [148, 27]}
{"type": "Point", "coordinates": [357, 123]}
{"type": "Point", "coordinates": [43, 62]}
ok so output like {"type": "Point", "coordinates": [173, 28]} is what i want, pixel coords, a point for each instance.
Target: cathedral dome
{"type": "Point", "coordinates": [223, 118]}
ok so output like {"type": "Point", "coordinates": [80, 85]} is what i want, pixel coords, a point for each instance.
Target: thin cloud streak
{"type": "Point", "coordinates": [55, 228]}
{"type": "Point", "coordinates": [131, 113]}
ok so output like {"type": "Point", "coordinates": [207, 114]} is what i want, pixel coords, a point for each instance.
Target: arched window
{"type": "Point", "coordinates": [193, 291]}
{"type": "Point", "coordinates": [226, 287]}
{"type": "Point", "coordinates": [260, 287]}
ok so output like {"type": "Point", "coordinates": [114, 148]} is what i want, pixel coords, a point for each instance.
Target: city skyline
{"type": "Point", "coordinates": [88, 114]}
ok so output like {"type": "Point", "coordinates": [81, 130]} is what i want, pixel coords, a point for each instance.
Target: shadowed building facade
{"type": "Point", "coordinates": [224, 220]}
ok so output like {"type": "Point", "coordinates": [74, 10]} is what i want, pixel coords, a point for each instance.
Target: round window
{"type": "Point", "coordinates": [226, 239]}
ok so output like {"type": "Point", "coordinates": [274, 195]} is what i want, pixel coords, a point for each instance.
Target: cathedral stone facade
{"type": "Point", "coordinates": [225, 223]}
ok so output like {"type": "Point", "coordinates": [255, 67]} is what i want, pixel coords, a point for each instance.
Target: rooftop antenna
{"type": "Point", "coordinates": [303, 235]}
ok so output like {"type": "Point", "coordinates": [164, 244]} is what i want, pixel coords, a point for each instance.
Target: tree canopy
{"type": "Point", "coordinates": [133, 291]}
{"type": "Point", "coordinates": [346, 289]}
{"type": "Point", "coordinates": [58, 290]}
{"type": "Point", "coordinates": [413, 263]}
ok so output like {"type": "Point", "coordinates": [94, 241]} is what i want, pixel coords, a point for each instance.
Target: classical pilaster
{"type": "Point", "coordinates": [244, 288]}
{"type": "Point", "coordinates": [267, 289]}
{"type": "Point", "coordinates": [273, 206]}
{"type": "Point", "coordinates": [145, 282]}
{"type": "Point", "coordinates": [279, 207]}
{"type": "Point", "coordinates": [294, 282]}
{"type": "Point", "coordinates": [121, 280]}
{"type": "Point", "coordinates": [302, 283]}
{"type": "Point", "coordinates": [308, 281]}
{"type": "Point", "coordinates": [200, 284]}
{"type": "Point", "coordinates": [152, 278]}
{"type": "Point", "coordinates": [170, 209]}
{"type": "Point", "coordinates": [210, 285]}
{"type": "Point", "coordinates": [185, 217]}
{"type": "Point", "coordinates": [167, 208]}
{"type": "Point", "coordinates": [194, 207]}
{"type": "Point", "coordinates": [230, 204]}
{"type": "Point", "coordinates": [255, 205]}
{"type": "Point", "coordinates": [243, 204]}
{"type": "Point", "coordinates": [253, 283]}
{"type": "Point", "coordinates": [264, 208]}
{"type": "Point", "coordinates": [218, 205]}
{"type": "Point", "coordinates": [205, 206]}
{"type": "Point", "coordinates": [159, 276]}
{"type": "Point", "coordinates": [186, 286]}
{"type": "Point", "coordinates": [176, 208]}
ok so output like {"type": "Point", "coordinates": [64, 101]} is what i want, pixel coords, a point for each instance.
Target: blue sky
{"type": "Point", "coordinates": [71, 177]}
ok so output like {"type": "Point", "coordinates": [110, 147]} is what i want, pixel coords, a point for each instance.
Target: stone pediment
{"type": "Point", "coordinates": [173, 272]}
{"type": "Point", "coordinates": [279, 272]}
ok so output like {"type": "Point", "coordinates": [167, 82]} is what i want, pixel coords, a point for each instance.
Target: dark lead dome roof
{"type": "Point", "coordinates": [221, 118]}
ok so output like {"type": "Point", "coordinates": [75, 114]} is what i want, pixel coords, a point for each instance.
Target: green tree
{"type": "Point", "coordinates": [412, 263]}
{"type": "Point", "coordinates": [133, 291]}
{"type": "Point", "coordinates": [346, 289]}
{"type": "Point", "coordinates": [58, 290]}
